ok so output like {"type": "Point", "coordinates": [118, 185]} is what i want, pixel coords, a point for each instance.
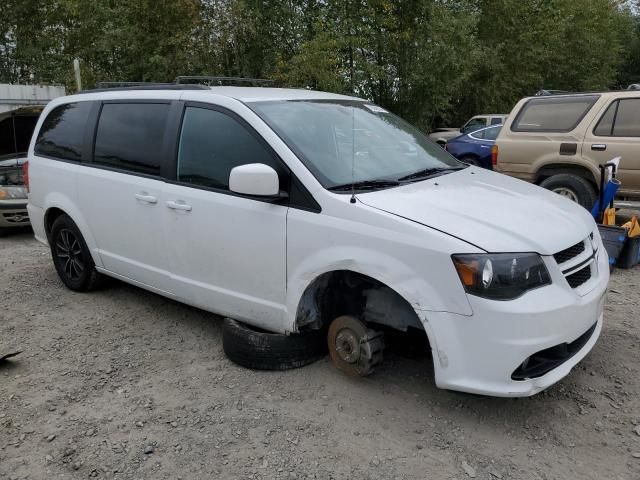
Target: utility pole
{"type": "Point", "coordinates": [76, 69]}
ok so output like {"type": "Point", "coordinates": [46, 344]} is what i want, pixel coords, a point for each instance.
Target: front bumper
{"type": "Point", "coordinates": [13, 213]}
{"type": "Point", "coordinates": [480, 353]}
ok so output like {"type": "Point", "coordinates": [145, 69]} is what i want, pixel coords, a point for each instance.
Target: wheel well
{"type": "Point", "coordinates": [555, 169]}
{"type": "Point", "coordinates": [344, 292]}
{"type": "Point", "coordinates": [49, 217]}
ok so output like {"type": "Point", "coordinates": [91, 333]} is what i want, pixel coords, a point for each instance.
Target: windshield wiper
{"type": "Point", "coordinates": [364, 185]}
{"type": "Point", "coordinates": [429, 173]}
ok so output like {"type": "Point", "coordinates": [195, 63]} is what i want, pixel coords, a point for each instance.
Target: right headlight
{"type": "Point", "coordinates": [501, 276]}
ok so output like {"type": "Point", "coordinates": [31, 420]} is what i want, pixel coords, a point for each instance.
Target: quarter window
{"type": "Point", "coordinates": [130, 136]}
{"type": "Point", "coordinates": [553, 114]}
{"type": "Point", "coordinates": [62, 132]}
{"type": "Point", "coordinates": [212, 143]}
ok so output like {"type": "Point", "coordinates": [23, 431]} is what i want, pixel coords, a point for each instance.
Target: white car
{"type": "Point", "coordinates": [294, 211]}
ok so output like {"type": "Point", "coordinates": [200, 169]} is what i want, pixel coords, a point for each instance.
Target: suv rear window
{"type": "Point", "coordinates": [130, 136]}
{"type": "Point", "coordinates": [559, 114]}
{"type": "Point", "coordinates": [62, 132]}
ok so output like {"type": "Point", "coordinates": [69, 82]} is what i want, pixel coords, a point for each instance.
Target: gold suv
{"type": "Point", "coordinates": [558, 141]}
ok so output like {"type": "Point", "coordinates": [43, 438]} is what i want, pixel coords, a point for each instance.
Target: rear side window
{"type": "Point", "coordinates": [627, 121]}
{"type": "Point", "coordinates": [559, 114]}
{"type": "Point", "coordinates": [605, 125]}
{"type": "Point", "coordinates": [212, 143]}
{"type": "Point", "coordinates": [130, 136]}
{"type": "Point", "coordinates": [490, 133]}
{"type": "Point", "coordinates": [496, 120]}
{"type": "Point", "coordinates": [622, 119]}
{"type": "Point", "coordinates": [62, 132]}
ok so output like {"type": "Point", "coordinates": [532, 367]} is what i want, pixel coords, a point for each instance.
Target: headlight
{"type": "Point", "coordinates": [501, 276]}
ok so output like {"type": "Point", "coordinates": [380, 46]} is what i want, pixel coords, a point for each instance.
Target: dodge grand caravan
{"type": "Point", "coordinates": [295, 210]}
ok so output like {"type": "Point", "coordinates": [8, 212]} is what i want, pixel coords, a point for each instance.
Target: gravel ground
{"type": "Point", "coordinates": [122, 383]}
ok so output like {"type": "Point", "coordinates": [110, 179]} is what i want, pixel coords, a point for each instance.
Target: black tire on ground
{"type": "Point", "coordinates": [573, 187]}
{"type": "Point", "coordinates": [71, 256]}
{"type": "Point", "coordinates": [470, 161]}
{"type": "Point", "coordinates": [256, 349]}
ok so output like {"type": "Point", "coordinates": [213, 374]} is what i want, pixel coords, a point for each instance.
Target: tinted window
{"type": "Point", "coordinates": [627, 120]}
{"type": "Point", "coordinates": [130, 136]}
{"type": "Point", "coordinates": [605, 125]}
{"type": "Point", "coordinates": [212, 143]}
{"type": "Point", "coordinates": [561, 114]}
{"type": "Point", "coordinates": [496, 121]}
{"type": "Point", "coordinates": [62, 132]}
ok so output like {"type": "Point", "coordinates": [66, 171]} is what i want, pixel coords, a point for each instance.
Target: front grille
{"type": "Point", "coordinates": [20, 217]}
{"type": "Point", "coordinates": [569, 253]}
{"type": "Point", "coordinates": [578, 278]}
{"type": "Point", "coordinates": [546, 360]}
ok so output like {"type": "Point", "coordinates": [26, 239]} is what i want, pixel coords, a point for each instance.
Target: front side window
{"type": "Point", "coordinates": [341, 141]}
{"type": "Point", "coordinates": [62, 132]}
{"type": "Point", "coordinates": [553, 114]}
{"type": "Point", "coordinates": [130, 136]}
{"type": "Point", "coordinates": [212, 143]}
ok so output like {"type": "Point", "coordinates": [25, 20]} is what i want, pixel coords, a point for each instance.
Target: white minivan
{"type": "Point", "coordinates": [295, 211]}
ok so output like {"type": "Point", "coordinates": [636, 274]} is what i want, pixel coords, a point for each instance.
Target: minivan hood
{"type": "Point", "coordinates": [492, 211]}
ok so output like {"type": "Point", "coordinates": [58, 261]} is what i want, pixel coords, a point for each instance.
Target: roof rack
{"type": "Point", "coordinates": [110, 86]}
{"type": "Point", "coordinates": [195, 79]}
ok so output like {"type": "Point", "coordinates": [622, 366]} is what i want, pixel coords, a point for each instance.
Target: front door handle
{"type": "Point", "coordinates": [178, 205]}
{"type": "Point", "coordinates": [146, 198]}
{"type": "Point", "coordinates": [600, 147]}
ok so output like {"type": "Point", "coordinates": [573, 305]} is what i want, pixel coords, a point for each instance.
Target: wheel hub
{"type": "Point", "coordinates": [347, 346]}
{"type": "Point", "coordinates": [354, 348]}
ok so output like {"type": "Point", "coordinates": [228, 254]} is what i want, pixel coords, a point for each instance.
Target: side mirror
{"type": "Point", "coordinates": [255, 179]}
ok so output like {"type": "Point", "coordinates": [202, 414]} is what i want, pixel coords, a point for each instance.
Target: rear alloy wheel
{"type": "Point", "coordinates": [572, 187]}
{"type": "Point", "coordinates": [71, 256]}
{"type": "Point", "coordinates": [354, 348]}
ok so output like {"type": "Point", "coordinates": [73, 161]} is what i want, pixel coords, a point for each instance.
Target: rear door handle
{"type": "Point", "coordinates": [146, 198]}
{"type": "Point", "coordinates": [600, 147]}
{"type": "Point", "coordinates": [178, 205]}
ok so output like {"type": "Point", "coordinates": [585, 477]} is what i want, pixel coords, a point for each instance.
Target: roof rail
{"type": "Point", "coordinates": [112, 86]}
{"type": "Point", "coordinates": [209, 80]}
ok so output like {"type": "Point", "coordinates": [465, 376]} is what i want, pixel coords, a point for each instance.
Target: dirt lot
{"type": "Point", "coordinates": [107, 375]}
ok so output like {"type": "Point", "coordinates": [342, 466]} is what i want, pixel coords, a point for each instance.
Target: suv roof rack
{"type": "Point", "coordinates": [110, 86]}
{"type": "Point", "coordinates": [195, 79]}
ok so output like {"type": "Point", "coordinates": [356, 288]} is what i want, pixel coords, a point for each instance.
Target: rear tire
{"type": "Point", "coordinates": [253, 348]}
{"type": "Point", "coordinates": [71, 256]}
{"type": "Point", "coordinates": [573, 187]}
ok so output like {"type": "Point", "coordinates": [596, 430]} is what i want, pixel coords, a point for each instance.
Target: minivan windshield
{"type": "Point", "coordinates": [353, 141]}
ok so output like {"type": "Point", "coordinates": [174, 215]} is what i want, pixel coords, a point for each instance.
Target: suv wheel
{"type": "Point", "coordinates": [573, 187]}
{"type": "Point", "coordinates": [71, 256]}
